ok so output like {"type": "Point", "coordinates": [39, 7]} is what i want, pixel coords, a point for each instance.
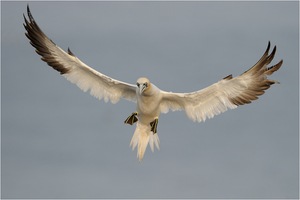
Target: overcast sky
{"type": "Point", "coordinates": [58, 142]}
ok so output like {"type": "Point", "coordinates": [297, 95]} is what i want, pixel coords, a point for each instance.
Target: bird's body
{"type": "Point", "coordinates": [147, 111]}
{"type": "Point", "coordinates": [228, 93]}
{"type": "Point", "coordinates": [148, 102]}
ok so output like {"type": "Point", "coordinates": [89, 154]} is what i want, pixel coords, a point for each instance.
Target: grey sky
{"type": "Point", "coordinates": [58, 142]}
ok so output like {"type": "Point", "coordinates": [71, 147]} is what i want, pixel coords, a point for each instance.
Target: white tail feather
{"type": "Point", "coordinates": [141, 137]}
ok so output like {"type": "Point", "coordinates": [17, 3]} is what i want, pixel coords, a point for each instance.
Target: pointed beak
{"type": "Point", "coordinates": [142, 88]}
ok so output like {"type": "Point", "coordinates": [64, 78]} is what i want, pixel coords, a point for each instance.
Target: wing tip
{"type": "Point", "coordinates": [70, 52]}
{"type": "Point", "coordinates": [228, 77]}
{"type": "Point", "coordinates": [263, 61]}
{"type": "Point", "coordinates": [259, 73]}
{"type": "Point", "coordinates": [38, 40]}
{"type": "Point", "coordinates": [29, 14]}
{"type": "Point", "coordinates": [274, 68]}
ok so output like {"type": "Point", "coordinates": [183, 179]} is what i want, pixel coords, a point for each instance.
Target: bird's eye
{"type": "Point", "coordinates": [146, 84]}
{"type": "Point", "coordinates": [137, 84]}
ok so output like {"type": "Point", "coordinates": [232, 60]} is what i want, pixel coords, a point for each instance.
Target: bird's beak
{"type": "Point", "coordinates": [142, 88]}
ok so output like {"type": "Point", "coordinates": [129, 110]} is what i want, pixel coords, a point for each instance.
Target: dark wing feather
{"type": "Point", "coordinates": [77, 72]}
{"type": "Point", "coordinates": [227, 93]}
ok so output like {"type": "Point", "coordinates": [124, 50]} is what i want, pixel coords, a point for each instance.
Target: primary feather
{"type": "Point", "coordinates": [73, 69]}
{"type": "Point", "coordinates": [227, 93]}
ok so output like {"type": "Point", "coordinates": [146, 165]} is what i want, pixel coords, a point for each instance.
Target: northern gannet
{"type": "Point", "coordinates": [228, 93]}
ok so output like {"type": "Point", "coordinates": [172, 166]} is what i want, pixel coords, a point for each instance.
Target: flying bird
{"type": "Point", "coordinates": [228, 93]}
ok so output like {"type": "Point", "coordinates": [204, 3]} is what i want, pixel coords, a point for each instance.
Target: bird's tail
{"type": "Point", "coordinates": [141, 137]}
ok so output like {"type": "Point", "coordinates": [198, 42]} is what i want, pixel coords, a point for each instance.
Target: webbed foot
{"type": "Point", "coordinates": [131, 119]}
{"type": "Point", "coordinates": [153, 125]}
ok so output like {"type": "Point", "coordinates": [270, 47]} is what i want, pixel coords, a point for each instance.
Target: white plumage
{"type": "Point", "coordinates": [227, 93]}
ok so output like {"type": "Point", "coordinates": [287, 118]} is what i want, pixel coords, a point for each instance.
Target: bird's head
{"type": "Point", "coordinates": [143, 85]}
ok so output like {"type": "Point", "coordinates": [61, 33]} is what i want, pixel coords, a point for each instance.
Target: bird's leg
{"type": "Point", "coordinates": [131, 119]}
{"type": "Point", "coordinates": [153, 125]}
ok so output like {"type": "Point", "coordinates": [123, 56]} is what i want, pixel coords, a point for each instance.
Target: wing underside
{"type": "Point", "coordinates": [73, 69]}
{"type": "Point", "coordinates": [227, 93]}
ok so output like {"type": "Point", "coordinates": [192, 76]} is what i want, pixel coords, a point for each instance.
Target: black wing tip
{"type": "Point", "coordinates": [264, 60]}
{"type": "Point", "coordinates": [30, 20]}
{"type": "Point", "coordinates": [24, 16]}
{"type": "Point", "coordinates": [228, 77]}
{"type": "Point", "coordinates": [268, 47]}
{"type": "Point", "coordinates": [274, 68]}
{"type": "Point", "coordinates": [38, 40]}
{"type": "Point", "coordinates": [70, 52]}
{"type": "Point", "coordinates": [274, 50]}
{"type": "Point", "coordinates": [29, 14]}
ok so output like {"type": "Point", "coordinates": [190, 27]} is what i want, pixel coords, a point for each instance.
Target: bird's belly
{"type": "Point", "coordinates": [144, 110]}
{"type": "Point", "coordinates": [147, 112]}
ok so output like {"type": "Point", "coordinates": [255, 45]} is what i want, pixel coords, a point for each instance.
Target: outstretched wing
{"type": "Point", "coordinates": [77, 72]}
{"type": "Point", "coordinates": [227, 93]}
